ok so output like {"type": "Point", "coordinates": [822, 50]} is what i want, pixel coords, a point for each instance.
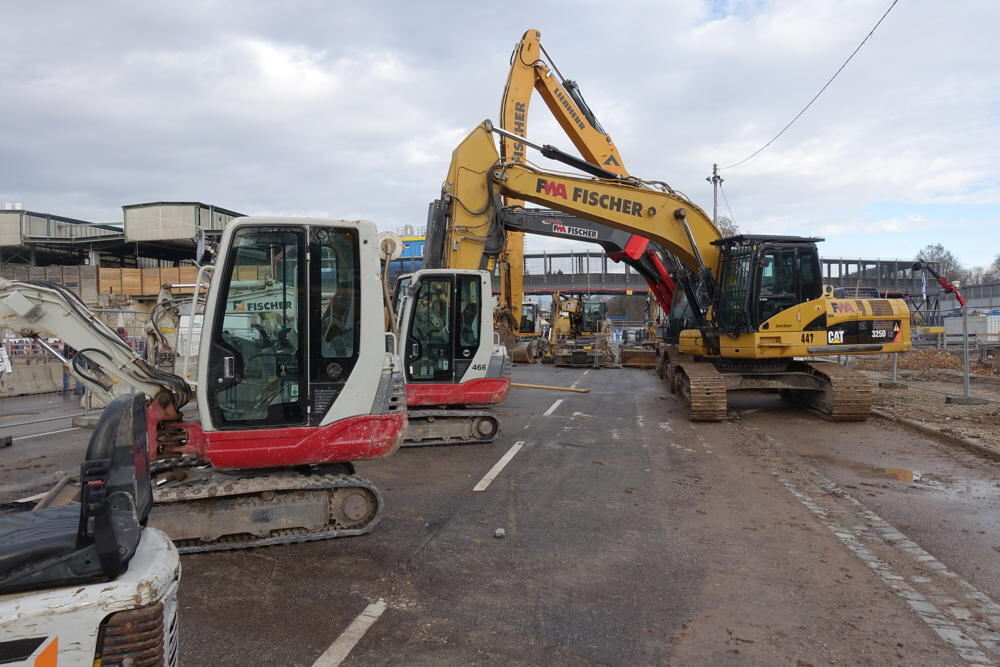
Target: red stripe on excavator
{"type": "Point", "coordinates": [352, 439]}
{"type": "Point", "coordinates": [656, 290]}
{"type": "Point", "coordinates": [483, 391]}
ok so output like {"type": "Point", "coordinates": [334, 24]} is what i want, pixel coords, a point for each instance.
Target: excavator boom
{"type": "Point", "coordinates": [675, 223]}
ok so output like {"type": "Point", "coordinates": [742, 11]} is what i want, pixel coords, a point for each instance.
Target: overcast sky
{"type": "Point", "coordinates": [351, 110]}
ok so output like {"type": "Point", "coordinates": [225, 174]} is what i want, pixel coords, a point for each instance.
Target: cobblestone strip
{"type": "Point", "coordinates": [970, 631]}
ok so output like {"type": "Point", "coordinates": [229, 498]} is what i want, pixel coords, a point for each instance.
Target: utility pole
{"type": "Point", "coordinates": [716, 181]}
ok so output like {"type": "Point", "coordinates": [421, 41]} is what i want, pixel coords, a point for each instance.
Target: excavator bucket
{"type": "Point", "coordinates": [638, 357]}
{"type": "Point", "coordinates": [523, 353]}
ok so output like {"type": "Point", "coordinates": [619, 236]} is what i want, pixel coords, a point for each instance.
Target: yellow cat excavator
{"type": "Point", "coordinates": [763, 315]}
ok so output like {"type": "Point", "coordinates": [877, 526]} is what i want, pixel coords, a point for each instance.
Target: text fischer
{"type": "Point", "coordinates": [590, 198]}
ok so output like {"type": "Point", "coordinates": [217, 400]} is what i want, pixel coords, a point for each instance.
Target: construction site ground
{"type": "Point", "coordinates": [630, 536]}
{"type": "Point", "coordinates": [923, 399]}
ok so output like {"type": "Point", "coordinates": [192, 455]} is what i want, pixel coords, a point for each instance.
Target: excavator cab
{"type": "Point", "coordinates": [294, 344]}
{"type": "Point", "coordinates": [593, 316]}
{"type": "Point", "coordinates": [452, 359]}
{"type": "Point", "coordinates": [446, 326]}
{"type": "Point", "coordinates": [762, 276]}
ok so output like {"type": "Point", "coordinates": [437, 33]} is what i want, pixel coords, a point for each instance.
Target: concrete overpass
{"type": "Point", "coordinates": [594, 272]}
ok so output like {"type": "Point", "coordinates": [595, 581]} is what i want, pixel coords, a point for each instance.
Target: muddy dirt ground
{"type": "Point", "coordinates": [923, 399]}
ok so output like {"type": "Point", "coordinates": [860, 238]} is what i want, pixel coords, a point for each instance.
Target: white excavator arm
{"type": "Point", "coordinates": [35, 309]}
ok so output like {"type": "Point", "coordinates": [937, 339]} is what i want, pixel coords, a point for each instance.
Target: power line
{"type": "Point", "coordinates": [798, 115]}
{"type": "Point", "coordinates": [726, 199]}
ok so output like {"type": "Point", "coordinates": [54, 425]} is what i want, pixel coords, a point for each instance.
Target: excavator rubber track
{"type": "Point", "coordinates": [847, 397]}
{"type": "Point", "coordinates": [427, 428]}
{"type": "Point", "coordinates": [703, 388]}
{"type": "Point", "coordinates": [221, 512]}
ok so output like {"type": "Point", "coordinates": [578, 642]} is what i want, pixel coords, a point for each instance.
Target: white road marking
{"type": "Point", "coordinates": [573, 386]}
{"type": "Point", "coordinates": [552, 408]}
{"type": "Point", "coordinates": [350, 637]}
{"type": "Point", "coordinates": [495, 470]}
{"type": "Point", "coordinates": [38, 435]}
{"type": "Point", "coordinates": [586, 371]}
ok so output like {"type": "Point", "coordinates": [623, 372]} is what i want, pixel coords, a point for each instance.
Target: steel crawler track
{"type": "Point", "coordinates": [847, 397]}
{"type": "Point", "coordinates": [703, 389]}
{"type": "Point", "coordinates": [218, 512]}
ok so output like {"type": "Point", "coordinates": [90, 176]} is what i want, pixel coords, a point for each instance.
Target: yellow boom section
{"type": "Point", "coordinates": [476, 173]}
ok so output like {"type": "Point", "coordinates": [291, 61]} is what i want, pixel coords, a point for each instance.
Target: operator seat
{"type": "Point", "coordinates": [95, 540]}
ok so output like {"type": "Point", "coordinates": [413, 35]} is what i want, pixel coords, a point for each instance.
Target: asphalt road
{"type": "Point", "coordinates": [631, 537]}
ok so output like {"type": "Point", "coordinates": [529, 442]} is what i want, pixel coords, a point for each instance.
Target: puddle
{"type": "Point", "coordinates": [873, 472]}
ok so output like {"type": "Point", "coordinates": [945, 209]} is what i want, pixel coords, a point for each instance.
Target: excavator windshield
{"type": "Point", "coordinates": [529, 317]}
{"type": "Point", "coordinates": [275, 308]}
{"type": "Point", "coordinates": [262, 327]}
{"type": "Point", "coordinates": [594, 314]}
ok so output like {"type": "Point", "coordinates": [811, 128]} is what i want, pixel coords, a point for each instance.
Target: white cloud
{"type": "Point", "coordinates": [354, 109]}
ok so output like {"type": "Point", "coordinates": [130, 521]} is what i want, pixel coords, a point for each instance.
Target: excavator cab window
{"type": "Point", "coordinates": [335, 303]}
{"type": "Point", "coordinates": [734, 290]}
{"type": "Point", "coordinates": [593, 316]}
{"type": "Point", "coordinates": [469, 312]}
{"type": "Point", "coordinates": [529, 317]}
{"type": "Point", "coordinates": [257, 355]}
{"type": "Point", "coordinates": [777, 283]}
{"type": "Point", "coordinates": [788, 276]}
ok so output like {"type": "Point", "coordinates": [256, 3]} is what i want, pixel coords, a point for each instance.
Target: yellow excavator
{"type": "Point", "coordinates": [530, 72]}
{"type": "Point", "coordinates": [763, 316]}
{"type": "Point", "coordinates": [532, 69]}
{"type": "Point", "coordinates": [578, 336]}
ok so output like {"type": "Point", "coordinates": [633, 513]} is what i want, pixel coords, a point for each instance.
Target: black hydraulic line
{"type": "Point", "coordinates": [573, 88]}
{"type": "Point", "coordinates": [554, 153]}
{"type": "Point", "coordinates": [558, 155]}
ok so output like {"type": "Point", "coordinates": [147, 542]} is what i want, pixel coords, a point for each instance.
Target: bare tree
{"type": "Point", "coordinates": [982, 274]}
{"type": "Point", "coordinates": [947, 264]}
{"type": "Point", "coordinates": [727, 227]}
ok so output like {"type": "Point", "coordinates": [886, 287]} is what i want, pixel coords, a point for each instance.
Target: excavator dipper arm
{"type": "Point", "coordinates": [38, 308]}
